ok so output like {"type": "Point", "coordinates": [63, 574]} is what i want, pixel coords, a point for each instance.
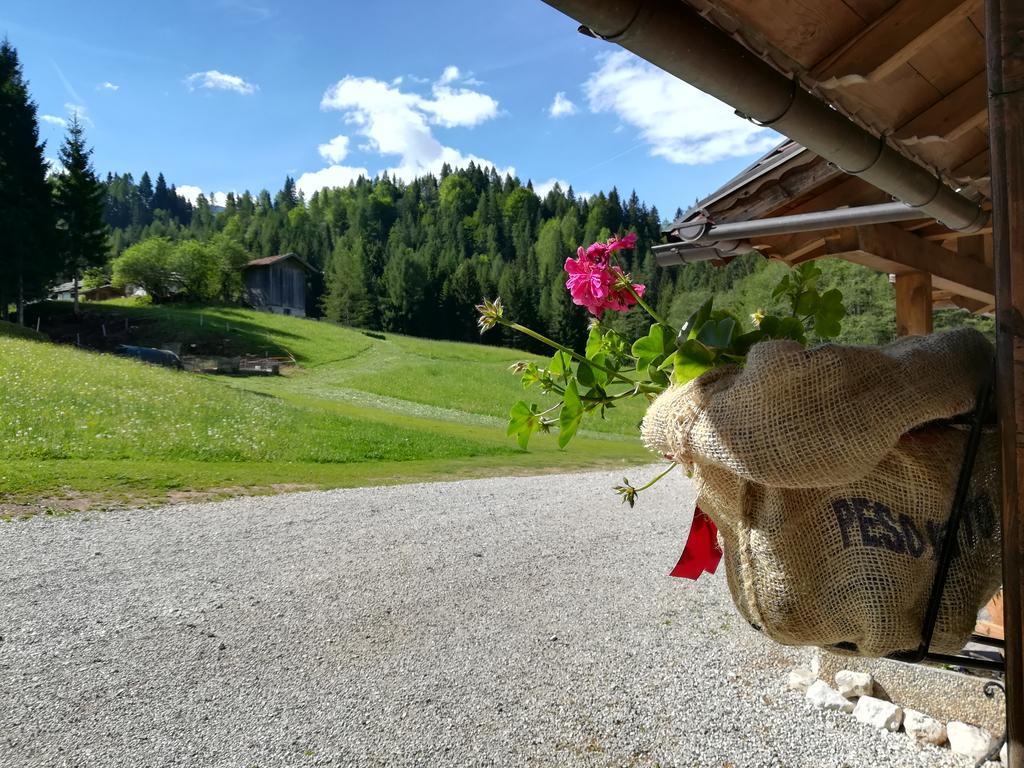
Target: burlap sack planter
{"type": "Point", "coordinates": [831, 486]}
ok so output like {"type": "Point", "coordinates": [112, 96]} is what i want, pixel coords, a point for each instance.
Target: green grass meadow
{"type": "Point", "coordinates": [81, 429]}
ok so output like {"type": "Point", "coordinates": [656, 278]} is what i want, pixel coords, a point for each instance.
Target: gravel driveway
{"type": "Point", "coordinates": [494, 622]}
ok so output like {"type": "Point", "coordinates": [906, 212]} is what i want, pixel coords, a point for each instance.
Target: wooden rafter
{"type": "Point", "coordinates": [894, 38]}
{"type": "Point", "coordinates": [888, 248]}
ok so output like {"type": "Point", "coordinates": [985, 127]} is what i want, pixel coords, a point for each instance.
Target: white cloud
{"type": "Point", "coordinates": [678, 122]}
{"type": "Point", "coordinates": [397, 122]}
{"type": "Point", "coordinates": [54, 120]}
{"type": "Point", "coordinates": [459, 107]}
{"type": "Point", "coordinates": [219, 81]}
{"type": "Point", "coordinates": [80, 111]}
{"type": "Point", "coordinates": [562, 106]}
{"type": "Point", "coordinates": [332, 176]}
{"type": "Point", "coordinates": [544, 187]}
{"type": "Point", "coordinates": [107, 86]}
{"type": "Point", "coordinates": [335, 150]}
{"type": "Point", "coordinates": [450, 75]}
{"type": "Point", "coordinates": [189, 192]}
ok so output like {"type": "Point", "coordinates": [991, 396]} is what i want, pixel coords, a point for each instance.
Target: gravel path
{"type": "Point", "coordinates": [494, 622]}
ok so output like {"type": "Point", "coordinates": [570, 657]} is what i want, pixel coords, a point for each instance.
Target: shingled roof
{"type": "Point", "coordinates": [266, 261]}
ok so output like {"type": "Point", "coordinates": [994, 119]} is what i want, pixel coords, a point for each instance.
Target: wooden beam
{"type": "Point", "coordinates": [949, 119]}
{"type": "Point", "coordinates": [888, 248]}
{"type": "Point", "coordinates": [894, 38]}
{"type": "Point", "coordinates": [1004, 20]}
{"type": "Point", "coordinates": [913, 304]}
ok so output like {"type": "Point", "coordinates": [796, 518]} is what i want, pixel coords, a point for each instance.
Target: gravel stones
{"type": "Point", "coordinates": [361, 629]}
{"type": "Point", "coordinates": [969, 740]}
{"type": "Point", "coordinates": [854, 684]}
{"type": "Point", "coordinates": [877, 713]}
{"type": "Point", "coordinates": [821, 695]}
{"type": "Point", "coordinates": [922, 728]}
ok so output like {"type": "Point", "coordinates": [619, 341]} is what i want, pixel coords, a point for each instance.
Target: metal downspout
{"type": "Point", "coordinates": [673, 36]}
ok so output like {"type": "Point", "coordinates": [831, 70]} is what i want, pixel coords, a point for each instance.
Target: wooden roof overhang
{"type": "Point", "coordinates": [911, 72]}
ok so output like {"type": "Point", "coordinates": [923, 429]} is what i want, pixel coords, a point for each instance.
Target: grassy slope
{"type": "Point", "coordinates": [358, 410]}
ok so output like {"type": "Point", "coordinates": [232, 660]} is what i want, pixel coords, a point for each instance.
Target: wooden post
{"type": "Point", "coordinates": [913, 304]}
{"type": "Point", "coordinates": [1004, 38]}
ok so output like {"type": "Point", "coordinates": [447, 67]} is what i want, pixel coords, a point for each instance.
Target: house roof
{"type": "Point", "coordinates": [266, 261]}
{"type": "Point", "coordinates": [909, 70]}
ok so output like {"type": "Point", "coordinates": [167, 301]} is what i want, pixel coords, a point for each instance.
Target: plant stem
{"type": "Point", "coordinates": [629, 287]}
{"type": "Point", "coordinates": [555, 345]}
{"type": "Point", "coordinates": [671, 466]}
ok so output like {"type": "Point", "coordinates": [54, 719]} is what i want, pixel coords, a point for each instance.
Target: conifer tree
{"type": "Point", "coordinates": [146, 190]}
{"type": "Point", "coordinates": [79, 204]}
{"type": "Point", "coordinates": [27, 259]}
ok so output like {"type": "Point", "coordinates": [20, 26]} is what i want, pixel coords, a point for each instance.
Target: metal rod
{"type": "Point", "coordinates": [700, 231]}
{"type": "Point", "coordinates": [675, 37]}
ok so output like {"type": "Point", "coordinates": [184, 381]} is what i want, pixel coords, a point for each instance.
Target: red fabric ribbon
{"type": "Point", "coordinates": [701, 553]}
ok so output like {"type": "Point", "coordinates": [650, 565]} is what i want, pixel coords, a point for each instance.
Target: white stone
{"type": "Point", "coordinates": [821, 695]}
{"type": "Point", "coordinates": [800, 679]}
{"type": "Point", "coordinates": [877, 713]}
{"type": "Point", "coordinates": [854, 684]}
{"type": "Point", "coordinates": [923, 729]}
{"type": "Point", "coordinates": [969, 740]}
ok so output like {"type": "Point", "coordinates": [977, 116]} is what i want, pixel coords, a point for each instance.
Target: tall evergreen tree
{"type": "Point", "coordinates": [146, 190]}
{"type": "Point", "coordinates": [27, 259]}
{"type": "Point", "coordinates": [80, 203]}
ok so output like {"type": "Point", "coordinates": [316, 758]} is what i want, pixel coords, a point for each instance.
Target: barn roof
{"type": "Point", "coordinates": [266, 261]}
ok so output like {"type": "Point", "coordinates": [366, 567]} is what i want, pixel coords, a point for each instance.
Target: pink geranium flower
{"type": "Point", "coordinates": [598, 285]}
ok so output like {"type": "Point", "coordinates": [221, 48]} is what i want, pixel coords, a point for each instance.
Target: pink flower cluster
{"type": "Point", "coordinates": [597, 284]}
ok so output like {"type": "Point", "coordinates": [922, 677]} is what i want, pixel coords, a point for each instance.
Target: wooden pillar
{"type": "Point", "coordinates": [913, 304]}
{"type": "Point", "coordinates": [1004, 39]}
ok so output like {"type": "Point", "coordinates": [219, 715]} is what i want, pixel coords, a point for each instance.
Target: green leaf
{"type": "Point", "coordinates": [741, 344]}
{"type": "Point", "coordinates": [792, 328]}
{"type": "Point", "coordinates": [769, 327]}
{"type": "Point", "coordinates": [808, 274]}
{"type": "Point", "coordinates": [561, 364]}
{"type": "Point", "coordinates": [657, 375]}
{"type": "Point", "coordinates": [697, 352]}
{"type": "Point", "coordinates": [829, 314]}
{"type": "Point", "coordinates": [717, 333]}
{"type": "Point", "coordinates": [570, 416]}
{"type": "Point", "coordinates": [807, 302]}
{"type": "Point", "coordinates": [697, 319]}
{"type": "Point", "coordinates": [595, 342]}
{"type": "Point", "coordinates": [659, 342]}
{"type": "Point", "coordinates": [592, 375]}
{"type": "Point", "coordinates": [522, 422]}
{"type": "Point", "coordinates": [687, 369]}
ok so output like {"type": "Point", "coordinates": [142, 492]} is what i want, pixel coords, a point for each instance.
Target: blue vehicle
{"type": "Point", "coordinates": [151, 355]}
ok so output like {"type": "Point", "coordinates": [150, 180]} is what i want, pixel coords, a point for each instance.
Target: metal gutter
{"type": "Point", "coordinates": [673, 36]}
{"type": "Point", "coordinates": [700, 239]}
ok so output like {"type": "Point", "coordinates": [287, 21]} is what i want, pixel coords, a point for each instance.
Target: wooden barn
{"type": "Point", "coordinates": [277, 284]}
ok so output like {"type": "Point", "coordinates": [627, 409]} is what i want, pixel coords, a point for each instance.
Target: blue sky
{"type": "Point", "coordinates": [226, 95]}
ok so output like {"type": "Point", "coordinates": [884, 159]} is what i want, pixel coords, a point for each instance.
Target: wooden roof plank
{"type": "Point", "coordinates": [951, 117]}
{"type": "Point", "coordinates": [894, 38]}
{"type": "Point", "coordinates": [805, 29]}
